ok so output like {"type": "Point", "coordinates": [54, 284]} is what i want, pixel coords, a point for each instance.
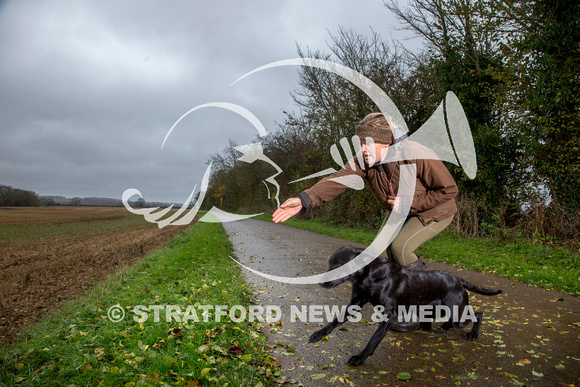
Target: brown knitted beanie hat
{"type": "Point", "coordinates": [375, 126]}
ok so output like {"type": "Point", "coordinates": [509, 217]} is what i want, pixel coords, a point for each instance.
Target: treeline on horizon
{"type": "Point", "coordinates": [514, 67]}
{"type": "Point", "coordinates": [17, 197]}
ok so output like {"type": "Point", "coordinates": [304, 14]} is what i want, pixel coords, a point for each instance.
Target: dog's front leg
{"type": "Point", "coordinates": [325, 330]}
{"type": "Point", "coordinates": [372, 344]}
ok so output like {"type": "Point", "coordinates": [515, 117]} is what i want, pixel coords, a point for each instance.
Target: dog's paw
{"type": "Point", "coordinates": [425, 326]}
{"type": "Point", "coordinates": [316, 336]}
{"type": "Point", "coordinates": [355, 360]}
{"type": "Point", "coordinates": [446, 325]}
{"type": "Point", "coordinates": [470, 336]}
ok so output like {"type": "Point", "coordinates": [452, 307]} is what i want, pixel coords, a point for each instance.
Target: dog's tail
{"type": "Point", "coordinates": [477, 289]}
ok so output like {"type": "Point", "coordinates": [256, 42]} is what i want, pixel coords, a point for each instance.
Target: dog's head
{"type": "Point", "coordinates": [341, 257]}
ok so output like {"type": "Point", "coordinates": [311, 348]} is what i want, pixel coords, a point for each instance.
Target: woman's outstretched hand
{"type": "Point", "coordinates": [287, 210]}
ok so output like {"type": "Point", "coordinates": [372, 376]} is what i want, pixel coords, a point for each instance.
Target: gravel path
{"type": "Point", "coordinates": [529, 336]}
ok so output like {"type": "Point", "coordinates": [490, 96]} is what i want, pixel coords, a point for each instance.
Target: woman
{"type": "Point", "coordinates": [433, 203]}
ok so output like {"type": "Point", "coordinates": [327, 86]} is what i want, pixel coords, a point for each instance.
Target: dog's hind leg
{"type": "Point", "coordinates": [428, 325]}
{"type": "Point", "coordinates": [372, 344]}
{"type": "Point", "coordinates": [474, 332]}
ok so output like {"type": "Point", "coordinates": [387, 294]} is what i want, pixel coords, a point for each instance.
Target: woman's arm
{"type": "Point", "coordinates": [321, 192]}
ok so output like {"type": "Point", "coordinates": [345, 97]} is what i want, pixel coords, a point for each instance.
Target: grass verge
{"type": "Point", "coordinates": [542, 266]}
{"type": "Point", "coordinates": [80, 345]}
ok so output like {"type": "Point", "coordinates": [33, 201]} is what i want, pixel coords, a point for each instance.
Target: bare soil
{"type": "Point", "coordinates": [49, 255]}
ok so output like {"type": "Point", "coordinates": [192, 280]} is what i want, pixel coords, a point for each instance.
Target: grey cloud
{"type": "Point", "coordinates": [89, 89]}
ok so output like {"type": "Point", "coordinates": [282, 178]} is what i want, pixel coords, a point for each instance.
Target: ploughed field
{"type": "Point", "coordinates": [51, 254]}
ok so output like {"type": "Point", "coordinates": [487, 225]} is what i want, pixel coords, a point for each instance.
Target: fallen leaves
{"type": "Point", "coordinates": [404, 376]}
{"type": "Point", "coordinates": [235, 351]}
{"type": "Point", "coordinates": [99, 353]}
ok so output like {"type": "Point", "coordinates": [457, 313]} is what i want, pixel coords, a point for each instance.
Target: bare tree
{"type": "Point", "coordinates": [471, 27]}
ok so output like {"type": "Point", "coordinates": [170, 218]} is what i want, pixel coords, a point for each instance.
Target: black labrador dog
{"type": "Point", "coordinates": [387, 285]}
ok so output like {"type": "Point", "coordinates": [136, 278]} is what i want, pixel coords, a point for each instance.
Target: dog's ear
{"type": "Point", "coordinates": [345, 254]}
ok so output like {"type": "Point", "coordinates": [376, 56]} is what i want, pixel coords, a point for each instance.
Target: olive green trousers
{"type": "Point", "coordinates": [412, 235]}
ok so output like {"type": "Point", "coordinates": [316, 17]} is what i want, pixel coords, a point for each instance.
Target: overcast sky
{"type": "Point", "coordinates": [89, 89]}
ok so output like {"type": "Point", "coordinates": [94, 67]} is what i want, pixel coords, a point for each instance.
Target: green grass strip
{"type": "Point", "coordinates": [80, 345]}
{"type": "Point", "coordinates": [543, 266]}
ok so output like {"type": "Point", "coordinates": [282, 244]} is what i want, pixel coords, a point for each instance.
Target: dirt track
{"type": "Point", "coordinates": [529, 336]}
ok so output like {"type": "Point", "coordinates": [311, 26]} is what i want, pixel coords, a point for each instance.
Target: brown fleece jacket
{"type": "Point", "coordinates": [435, 189]}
